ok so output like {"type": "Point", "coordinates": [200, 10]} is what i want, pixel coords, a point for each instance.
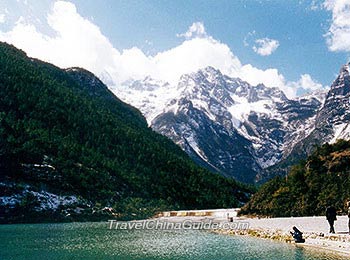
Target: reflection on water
{"type": "Point", "coordinates": [96, 241]}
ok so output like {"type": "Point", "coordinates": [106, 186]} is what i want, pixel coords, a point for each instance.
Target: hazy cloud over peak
{"type": "Point", "coordinates": [197, 29]}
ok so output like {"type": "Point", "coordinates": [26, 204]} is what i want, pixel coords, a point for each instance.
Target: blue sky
{"type": "Point", "coordinates": [299, 30]}
{"type": "Point", "coordinates": [293, 38]}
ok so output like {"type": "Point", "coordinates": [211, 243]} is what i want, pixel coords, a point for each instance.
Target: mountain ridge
{"type": "Point", "coordinates": [331, 124]}
{"type": "Point", "coordinates": [260, 122]}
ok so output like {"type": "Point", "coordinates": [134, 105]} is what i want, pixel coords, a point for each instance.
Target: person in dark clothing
{"type": "Point", "coordinates": [331, 215]}
{"type": "Point", "coordinates": [349, 215]}
{"type": "Point", "coordinates": [297, 235]}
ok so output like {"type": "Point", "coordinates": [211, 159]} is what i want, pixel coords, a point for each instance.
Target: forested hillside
{"type": "Point", "coordinates": [322, 179]}
{"type": "Point", "coordinates": [63, 131]}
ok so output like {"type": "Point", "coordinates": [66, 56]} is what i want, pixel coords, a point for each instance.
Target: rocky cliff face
{"type": "Point", "coordinates": [333, 119]}
{"type": "Point", "coordinates": [330, 124]}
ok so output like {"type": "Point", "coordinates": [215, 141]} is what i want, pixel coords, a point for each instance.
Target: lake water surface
{"type": "Point", "coordinates": [96, 241]}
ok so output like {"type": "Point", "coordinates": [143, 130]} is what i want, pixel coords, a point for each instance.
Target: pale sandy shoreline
{"type": "Point", "coordinates": [315, 230]}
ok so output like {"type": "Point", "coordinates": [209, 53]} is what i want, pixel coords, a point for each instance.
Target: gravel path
{"type": "Point", "coordinates": [315, 231]}
{"type": "Point", "coordinates": [305, 224]}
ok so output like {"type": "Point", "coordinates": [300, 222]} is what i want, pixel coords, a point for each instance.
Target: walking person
{"type": "Point", "coordinates": [331, 215]}
{"type": "Point", "coordinates": [349, 215]}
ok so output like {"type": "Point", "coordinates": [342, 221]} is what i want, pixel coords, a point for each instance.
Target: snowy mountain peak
{"type": "Point", "coordinates": [224, 123]}
{"type": "Point", "coordinates": [319, 95]}
{"type": "Point", "coordinates": [146, 84]}
{"type": "Point", "coordinates": [262, 118]}
{"type": "Point", "coordinates": [208, 75]}
{"type": "Point", "coordinates": [344, 71]}
{"type": "Point", "coordinates": [211, 74]}
{"type": "Point", "coordinates": [149, 95]}
{"type": "Point", "coordinates": [334, 117]}
{"type": "Point", "coordinates": [341, 85]}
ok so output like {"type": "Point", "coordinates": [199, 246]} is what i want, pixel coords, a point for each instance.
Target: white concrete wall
{"type": "Point", "coordinates": [217, 213]}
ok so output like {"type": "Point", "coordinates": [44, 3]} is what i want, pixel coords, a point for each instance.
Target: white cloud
{"type": "Point", "coordinates": [197, 29]}
{"type": "Point", "coordinates": [305, 84]}
{"type": "Point", "coordinates": [338, 35]}
{"type": "Point", "coordinates": [194, 54]}
{"type": "Point", "coordinates": [79, 42]}
{"type": "Point", "coordinates": [269, 77]}
{"type": "Point", "coordinates": [265, 46]}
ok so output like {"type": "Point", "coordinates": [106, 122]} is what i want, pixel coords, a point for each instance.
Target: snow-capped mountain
{"type": "Point", "coordinates": [150, 96]}
{"type": "Point", "coordinates": [335, 114]}
{"type": "Point", "coordinates": [331, 123]}
{"type": "Point", "coordinates": [333, 119]}
{"type": "Point", "coordinates": [225, 123]}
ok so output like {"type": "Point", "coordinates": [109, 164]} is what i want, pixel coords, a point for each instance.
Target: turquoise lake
{"type": "Point", "coordinates": [96, 241]}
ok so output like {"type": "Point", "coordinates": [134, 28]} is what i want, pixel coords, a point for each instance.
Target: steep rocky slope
{"type": "Point", "coordinates": [225, 123]}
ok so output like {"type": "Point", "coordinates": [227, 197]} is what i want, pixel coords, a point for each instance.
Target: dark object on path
{"type": "Point", "coordinates": [331, 215]}
{"type": "Point", "coordinates": [297, 235]}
